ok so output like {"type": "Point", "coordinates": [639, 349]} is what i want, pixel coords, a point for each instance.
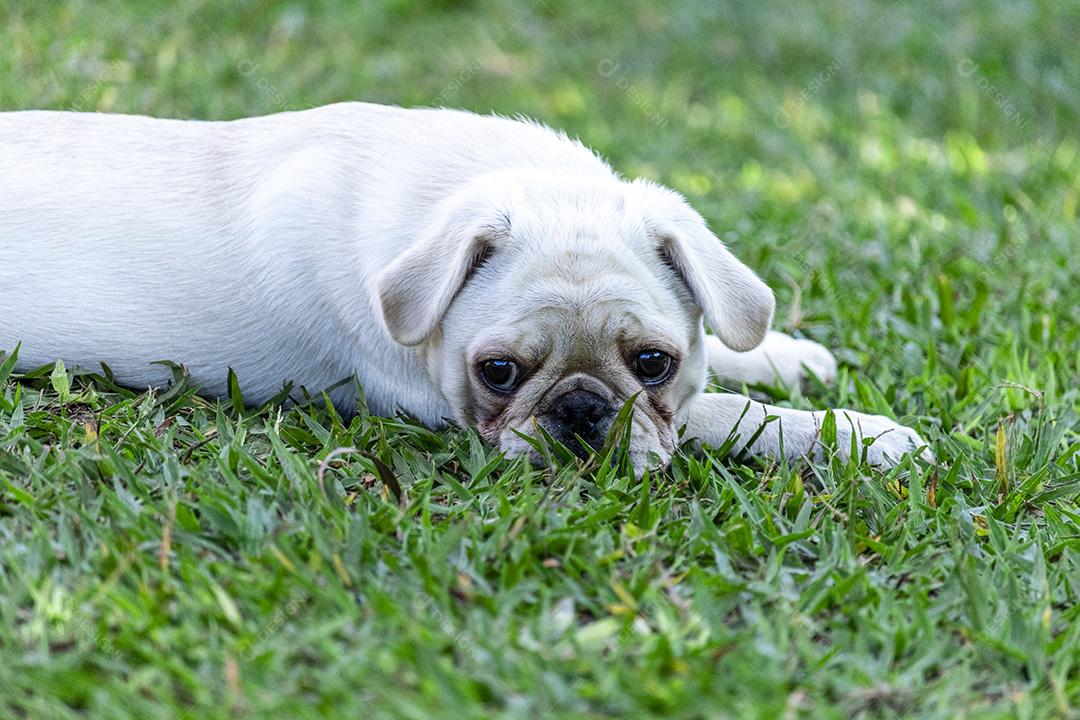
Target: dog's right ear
{"type": "Point", "coordinates": [737, 305]}
{"type": "Point", "coordinates": [416, 290]}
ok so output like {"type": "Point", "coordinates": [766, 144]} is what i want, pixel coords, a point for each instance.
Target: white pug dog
{"type": "Point", "coordinates": [478, 270]}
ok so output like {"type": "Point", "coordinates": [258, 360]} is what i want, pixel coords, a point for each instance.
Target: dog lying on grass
{"type": "Point", "coordinates": [477, 270]}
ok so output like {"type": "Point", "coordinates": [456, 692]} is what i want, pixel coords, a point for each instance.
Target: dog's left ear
{"type": "Point", "coordinates": [737, 305]}
{"type": "Point", "coordinates": [415, 291]}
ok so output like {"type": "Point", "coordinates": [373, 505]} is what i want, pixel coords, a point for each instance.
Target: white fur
{"type": "Point", "coordinates": [308, 247]}
{"type": "Point", "coordinates": [793, 434]}
{"type": "Point", "coordinates": [779, 358]}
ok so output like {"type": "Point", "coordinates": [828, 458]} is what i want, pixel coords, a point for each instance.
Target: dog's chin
{"type": "Point", "coordinates": [647, 450]}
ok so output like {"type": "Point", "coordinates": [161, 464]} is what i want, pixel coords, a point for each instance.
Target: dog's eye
{"type": "Point", "coordinates": [500, 375]}
{"type": "Point", "coordinates": [653, 367]}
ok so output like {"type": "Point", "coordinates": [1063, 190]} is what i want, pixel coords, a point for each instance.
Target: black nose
{"type": "Point", "coordinates": [579, 413]}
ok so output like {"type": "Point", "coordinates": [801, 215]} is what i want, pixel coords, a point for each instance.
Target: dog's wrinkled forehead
{"type": "Point", "coordinates": [589, 290]}
{"type": "Point", "coordinates": [583, 250]}
{"type": "Point", "coordinates": [579, 218]}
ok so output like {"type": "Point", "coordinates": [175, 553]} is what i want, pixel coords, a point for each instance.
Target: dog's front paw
{"type": "Point", "coordinates": [779, 359]}
{"type": "Point", "coordinates": [890, 440]}
{"type": "Point", "coordinates": [791, 359]}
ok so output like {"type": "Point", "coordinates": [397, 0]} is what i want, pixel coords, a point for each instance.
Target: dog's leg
{"type": "Point", "coordinates": [794, 434]}
{"type": "Point", "coordinates": [779, 358]}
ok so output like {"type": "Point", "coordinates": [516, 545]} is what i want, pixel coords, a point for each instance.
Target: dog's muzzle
{"type": "Point", "coordinates": [579, 414]}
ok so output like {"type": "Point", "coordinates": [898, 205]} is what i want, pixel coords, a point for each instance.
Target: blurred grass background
{"type": "Point", "coordinates": [772, 119]}
{"type": "Point", "coordinates": [905, 175]}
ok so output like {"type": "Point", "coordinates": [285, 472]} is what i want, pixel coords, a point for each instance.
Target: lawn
{"type": "Point", "coordinates": [905, 175]}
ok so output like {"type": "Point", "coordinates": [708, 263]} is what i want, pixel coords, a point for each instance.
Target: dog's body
{"type": "Point", "coordinates": [252, 244]}
{"type": "Point", "coordinates": [425, 251]}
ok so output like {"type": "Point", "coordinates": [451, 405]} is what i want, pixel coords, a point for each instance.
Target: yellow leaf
{"type": "Point", "coordinates": [341, 571]}
{"type": "Point", "coordinates": [228, 607]}
{"type": "Point", "coordinates": [999, 460]}
{"type": "Point", "coordinates": [90, 426]}
{"type": "Point", "coordinates": [166, 539]}
{"type": "Point", "coordinates": [623, 594]}
{"type": "Point", "coordinates": [166, 545]}
{"type": "Point", "coordinates": [282, 559]}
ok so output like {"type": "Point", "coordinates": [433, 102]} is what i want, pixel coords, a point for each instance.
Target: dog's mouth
{"type": "Point", "coordinates": [625, 439]}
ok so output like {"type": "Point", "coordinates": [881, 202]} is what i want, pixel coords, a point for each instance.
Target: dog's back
{"type": "Point", "coordinates": [247, 243]}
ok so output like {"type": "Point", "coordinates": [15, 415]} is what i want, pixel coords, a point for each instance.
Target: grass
{"type": "Point", "coordinates": [905, 176]}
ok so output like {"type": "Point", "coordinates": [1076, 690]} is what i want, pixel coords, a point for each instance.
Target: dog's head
{"type": "Point", "coordinates": [552, 302]}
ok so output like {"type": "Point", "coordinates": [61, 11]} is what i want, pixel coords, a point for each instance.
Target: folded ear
{"type": "Point", "coordinates": [415, 291]}
{"type": "Point", "coordinates": [737, 305]}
